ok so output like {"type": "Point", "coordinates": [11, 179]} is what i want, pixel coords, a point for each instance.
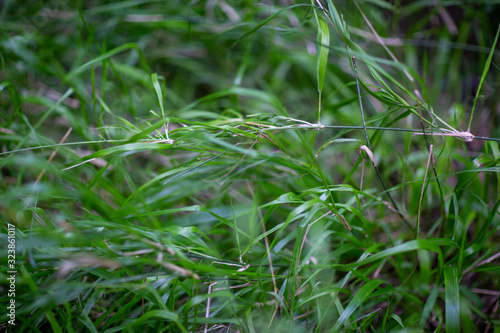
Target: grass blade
{"type": "Point", "coordinates": [358, 299]}
{"type": "Point", "coordinates": [324, 43]}
{"type": "Point", "coordinates": [452, 299]}
{"type": "Point", "coordinates": [429, 305]}
{"type": "Point", "coordinates": [483, 76]}
{"type": "Point", "coordinates": [158, 90]}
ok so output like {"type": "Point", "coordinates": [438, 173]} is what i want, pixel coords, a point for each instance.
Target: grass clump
{"type": "Point", "coordinates": [235, 166]}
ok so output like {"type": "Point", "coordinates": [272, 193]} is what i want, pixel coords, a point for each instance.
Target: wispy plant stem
{"type": "Point", "coordinates": [483, 77]}
{"type": "Point", "coordinates": [369, 146]}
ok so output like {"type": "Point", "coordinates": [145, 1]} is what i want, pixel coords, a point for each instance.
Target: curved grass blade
{"type": "Point", "coordinates": [104, 56]}
{"type": "Point", "coordinates": [423, 244]}
{"type": "Point", "coordinates": [356, 301]}
{"type": "Point", "coordinates": [160, 314]}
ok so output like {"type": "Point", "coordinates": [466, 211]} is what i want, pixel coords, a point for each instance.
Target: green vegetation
{"type": "Point", "coordinates": [230, 166]}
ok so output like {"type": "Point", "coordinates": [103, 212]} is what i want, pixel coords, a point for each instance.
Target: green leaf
{"type": "Point", "coordinates": [429, 305]}
{"type": "Point", "coordinates": [159, 314]}
{"type": "Point", "coordinates": [159, 94]}
{"type": "Point", "coordinates": [398, 320]}
{"type": "Point", "coordinates": [452, 299]}
{"type": "Point", "coordinates": [324, 48]}
{"type": "Point", "coordinates": [358, 299]}
{"type": "Point", "coordinates": [104, 56]}
{"type": "Point", "coordinates": [423, 244]}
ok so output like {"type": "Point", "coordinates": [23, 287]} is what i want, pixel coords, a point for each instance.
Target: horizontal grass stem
{"type": "Point", "coordinates": [300, 127]}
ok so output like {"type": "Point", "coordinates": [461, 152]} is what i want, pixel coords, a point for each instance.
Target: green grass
{"type": "Point", "coordinates": [226, 166]}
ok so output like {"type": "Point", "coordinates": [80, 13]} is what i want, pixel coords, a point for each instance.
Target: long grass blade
{"type": "Point", "coordinates": [483, 76]}
{"type": "Point", "coordinates": [452, 299]}
{"type": "Point", "coordinates": [356, 301]}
